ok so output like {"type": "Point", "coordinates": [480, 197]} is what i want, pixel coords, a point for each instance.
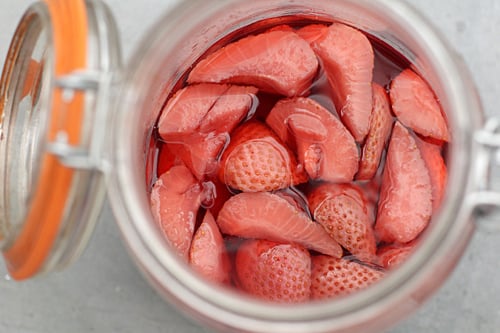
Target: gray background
{"type": "Point", "coordinates": [103, 291]}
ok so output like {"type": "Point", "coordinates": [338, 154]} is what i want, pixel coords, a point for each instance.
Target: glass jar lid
{"type": "Point", "coordinates": [52, 105]}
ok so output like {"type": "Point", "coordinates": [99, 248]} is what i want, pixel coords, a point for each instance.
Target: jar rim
{"type": "Point", "coordinates": [175, 280]}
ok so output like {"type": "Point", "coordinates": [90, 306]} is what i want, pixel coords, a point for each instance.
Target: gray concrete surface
{"type": "Point", "coordinates": [103, 291]}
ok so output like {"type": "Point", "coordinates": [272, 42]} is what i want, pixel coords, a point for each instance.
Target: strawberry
{"type": "Point", "coordinates": [392, 256]}
{"type": "Point", "coordinates": [268, 216]}
{"type": "Point", "coordinates": [197, 121]}
{"type": "Point", "coordinates": [256, 160]}
{"type": "Point", "coordinates": [333, 277]}
{"type": "Point", "coordinates": [324, 146]}
{"type": "Point", "coordinates": [415, 105]}
{"type": "Point", "coordinates": [277, 61]}
{"type": "Point", "coordinates": [208, 255]}
{"type": "Point", "coordinates": [405, 203]}
{"type": "Point", "coordinates": [380, 130]}
{"type": "Point", "coordinates": [431, 153]}
{"type": "Point", "coordinates": [175, 199]}
{"type": "Point", "coordinates": [312, 32]}
{"type": "Point", "coordinates": [341, 209]}
{"type": "Point", "coordinates": [274, 272]}
{"type": "Point", "coordinates": [184, 112]}
{"type": "Point", "coordinates": [199, 152]}
{"type": "Point", "coordinates": [348, 60]}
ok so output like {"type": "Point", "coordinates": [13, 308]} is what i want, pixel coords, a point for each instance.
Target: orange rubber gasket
{"type": "Point", "coordinates": [48, 206]}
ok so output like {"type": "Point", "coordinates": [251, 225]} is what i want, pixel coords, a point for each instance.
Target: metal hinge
{"type": "Point", "coordinates": [77, 157]}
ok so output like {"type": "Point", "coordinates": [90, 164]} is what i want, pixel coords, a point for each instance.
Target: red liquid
{"type": "Point", "coordinates": [387, 65]}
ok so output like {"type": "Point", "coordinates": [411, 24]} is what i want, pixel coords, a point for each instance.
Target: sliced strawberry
{"type": "Point", "coordinates": [265, 215]}
{"type": "Point", "coordinates": [342, 210]}
{"type": "Point", "coordinates": [405, 204]}
{"type": "Point", "coordinates": [281, 27]}
{"type": "Point", "coordinates": [392, 256]}
{"type": "Point", "coordinates": [333, 277]}
{"type": "Point", "coordinates": [324, 146]}
{"type": "Point", "coordinates": [275, 61]}
{"type": "Point", "coordinates": [175, 199]}
{"type": "Point", "coordinates": [274, 272]}
{"type": "Point", "coordinates": [415, 105]}
{"type": "Point", "coordinates": [348, 60]}
{"type": "Point", "coordinates": [312, 32]}
{"type": "Point", "coordinates": [256, 160]}
{"type": "Point", "coordinates": [208, 255]}
{"type": "Point", "coordinates": [380, 131]}
{"type": "Point", "coordinates": [185, 111]}
{"type": "Point", "coordinates": [199, 152]}
{"type": "Point", "coordinates": [197, 121]}
{"type": "Point", "coordinates": [431, 153]}
{"type": "Point", "coordinates": [230, 109]}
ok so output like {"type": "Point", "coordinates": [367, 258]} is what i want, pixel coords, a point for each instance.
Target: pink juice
{"type": "Point", "coordinates": [292, 156]}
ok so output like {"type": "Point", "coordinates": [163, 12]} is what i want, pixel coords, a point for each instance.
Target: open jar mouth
{"type": "Point", "coordinates": [181, 38]}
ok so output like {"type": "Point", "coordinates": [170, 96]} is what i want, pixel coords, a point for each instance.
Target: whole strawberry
{"type": "Point", "coordinates": [275, 272]}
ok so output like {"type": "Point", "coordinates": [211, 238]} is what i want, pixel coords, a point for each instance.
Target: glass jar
{"type": "Point", "coordinates": [89, 129]}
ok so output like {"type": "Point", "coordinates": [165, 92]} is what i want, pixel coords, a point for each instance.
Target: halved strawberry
{"type": "Point", "coordinates": [392, 256]}
{"type": "Point", "coordinates": [281, 27]}
{"type": "Point", "coordinates": [324, 146]}
{"type": "Point", "coordinates": [199, 152]}
{"type": "Point", "coordinates": [236, 104]}
{"type": "Point", "coordinates": [380, 131]}
{"type": "Point", "coordinates": [265, 215]}
{"type": "Point", "coordinates": [415, 105]}
{"type": "Point", "coordinates": [208, 255]}
{"type": "Point", "coordinates": [274, 272]}
{"type": "Point", "coordinates": [197, 121]}
{"type": "Point", "coordinates": [275, 61]}
{"type": "Point", "coordinates": [431, 153]}
{"type": "Point", "coordinates": [341, 209]}
{"type": "Point", "coordinates": [333, 277]}
{"type": "Point", "coordinates": [348, 60]}
{"type": "Point", "coordinates": [175, 199]}
{"type": "Point", "coordinates": [312, 32]}
{"type": "Point", "coordinates": [256, 160]}
{"type": "Point", "coordinates": [405, 204]}
{"type": "Point", "coordinates": [184, 112]}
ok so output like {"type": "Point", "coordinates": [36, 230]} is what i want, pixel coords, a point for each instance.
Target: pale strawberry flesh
{"type": "Point", "coordinates": [348, 60]}
{"type": "Point", "coordinates": [324, 146]}
{"type": "Point", "coordinates": [380, 130]}
{"type": "Point", "coordinates": [197, 121]}
{"type": "Point", "coordinates": [405, 204]}
{"type": "Point", "coordinates": [175, 200]}
{"type": "Point", "coordinates": [265, 215]}
{"type": "Point", "coordinates": [415, 105]}
{"type": "Point", "coordinates": [392, 256]}
{"type": "Point", "coordinates": [208, 254]}
{"type": "Point", "coordinates": [275, 61]}
{"type": "Point", "coordinates": [433, 158]}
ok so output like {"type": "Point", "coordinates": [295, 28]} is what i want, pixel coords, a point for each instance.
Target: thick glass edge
{"type": "Point", "coordinates": [149, 249]}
